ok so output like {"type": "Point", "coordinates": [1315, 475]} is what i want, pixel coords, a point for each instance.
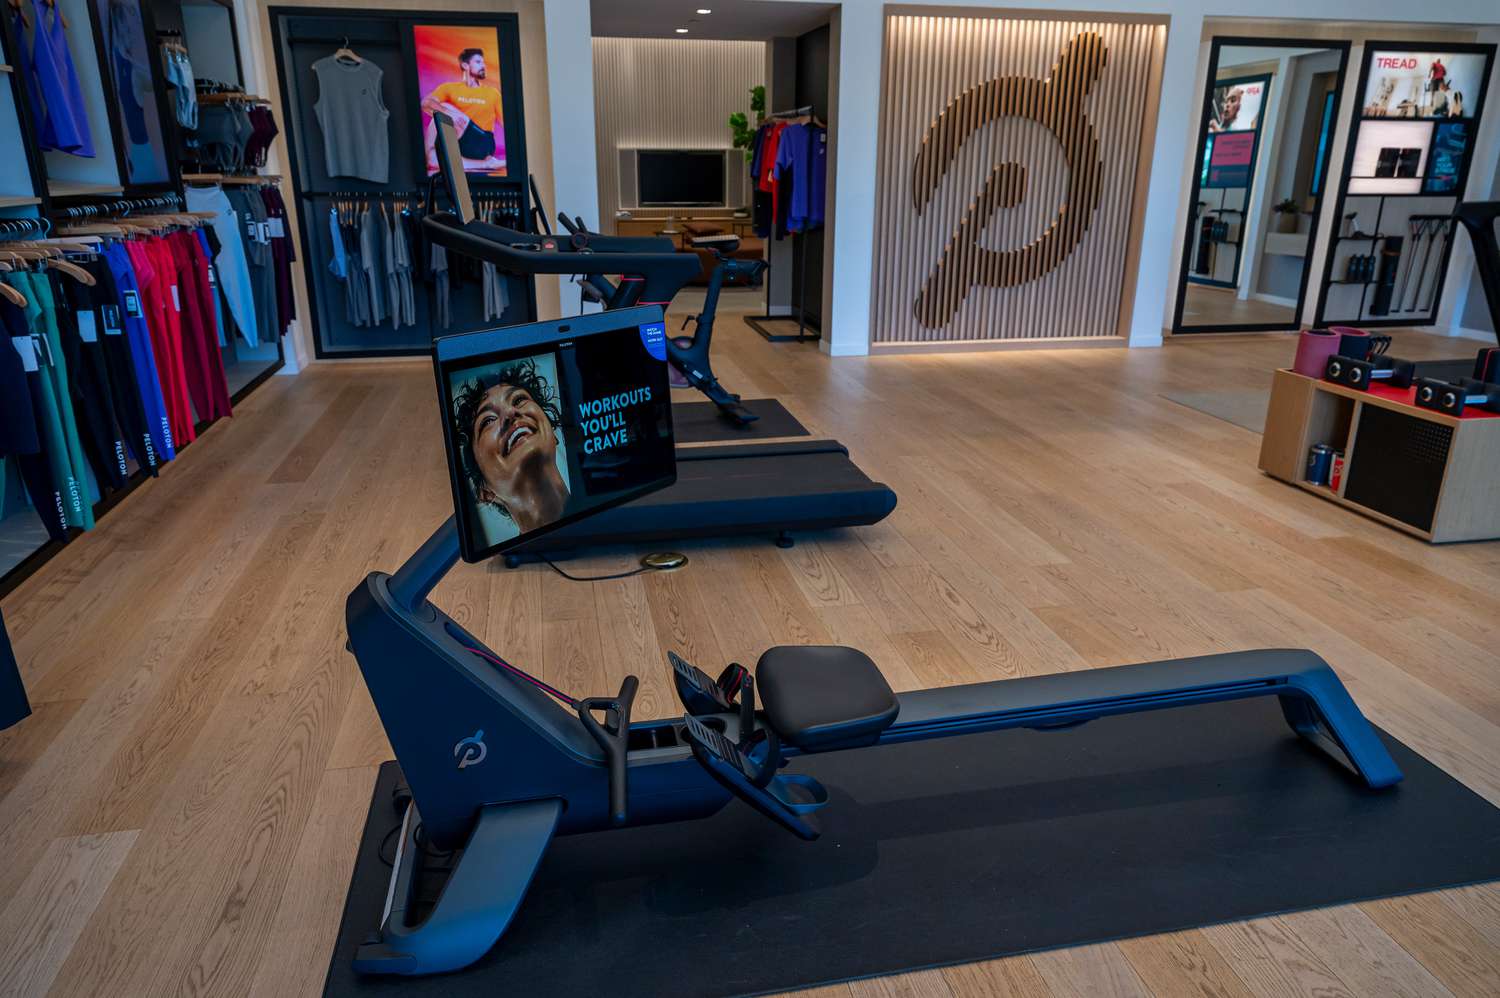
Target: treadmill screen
{"type": "Point", "coordinates": [448, 156]}
{"type": "Point", "coordinates": [550, 422]}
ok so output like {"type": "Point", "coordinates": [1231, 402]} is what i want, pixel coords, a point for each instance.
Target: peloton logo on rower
{"type": "Point", "coordinates": [470, 751]}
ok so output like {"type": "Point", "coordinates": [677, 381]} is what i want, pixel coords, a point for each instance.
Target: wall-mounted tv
{"type": "Point", "coordinates": [680, 177]}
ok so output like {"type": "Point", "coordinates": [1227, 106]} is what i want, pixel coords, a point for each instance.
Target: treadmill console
{"type": "Point", "coordinates": [548, 423]}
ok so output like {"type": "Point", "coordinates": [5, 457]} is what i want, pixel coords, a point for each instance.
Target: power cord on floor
{"type": "Point", "coordinates": [642, 570]}
{"type": "Point", "coordinates": [660, 562]}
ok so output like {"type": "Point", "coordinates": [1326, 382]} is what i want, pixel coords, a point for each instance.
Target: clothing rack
{"type": "Point", "coordinates": [122, 206]}
{"type": "Point", "coordinates": [757, 322]}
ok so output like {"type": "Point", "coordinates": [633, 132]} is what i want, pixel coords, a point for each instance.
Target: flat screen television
{"type": "Point", "coordinates": [680, 177]}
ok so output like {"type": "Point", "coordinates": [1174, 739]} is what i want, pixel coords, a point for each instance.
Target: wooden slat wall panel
{"type": "Point", "coordinates": [1049, 292]}
{"type": "Point", "coordinates": [668, 94]}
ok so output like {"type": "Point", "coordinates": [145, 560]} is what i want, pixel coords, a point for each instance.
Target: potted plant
{"type": "Point", "coordinates": [1287, 213]}
{"type": "Point", "coordinates": [739, 122]}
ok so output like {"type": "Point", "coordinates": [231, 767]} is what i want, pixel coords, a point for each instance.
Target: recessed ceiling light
{"type": "Point", "coordinates": [682, 31]}
{"type": "Point", "coordinates": [704, 10]}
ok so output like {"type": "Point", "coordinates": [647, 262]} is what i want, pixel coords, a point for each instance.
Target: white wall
{"type": "Point", "coordinates": [660, 93]}
{"type": "Point", "coordinates": [858, 29]}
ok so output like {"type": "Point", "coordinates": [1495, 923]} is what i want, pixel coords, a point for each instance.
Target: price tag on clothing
{"type": "Point", "coordinates": [27, 349]}
{"type": "Point", "coordinates": [277, 227]}
{"type": "Point", "coordinates": [213, 277]}
{"type": "Point", "coordinates": [133, 304]}
{"type": "Point", "coordinates": [176, 301]}
{"type": "Point", "coordinates": [43, 350]}
{"type": "Point", "coordinates": [265, 232]}
{"type": "Point", "coordinates": [111, 316]}
{"type": "Point", "coordinates": [88, 330]}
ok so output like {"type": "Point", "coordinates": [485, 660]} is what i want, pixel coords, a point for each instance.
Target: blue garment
{"type": "Point", "coordinates": [792, 155]}
{"type": "Point", "coordinates": [52, 82]}
{"type": "Point", "coordinates": [125, 37]}
{"type": "Point", "coordinates": [232, 268]}
{"type": "Point", "coordinates": [179, 74]}
{"type": "Point", "coordinates": [132, 317]}
{"type": "Point", "coordinates": [339, 263]}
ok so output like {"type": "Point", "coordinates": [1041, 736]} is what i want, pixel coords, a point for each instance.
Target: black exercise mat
{"type": "Point", "coordinates": [964, 849]}
{"type": "Point", "coordinates": [699, 422]}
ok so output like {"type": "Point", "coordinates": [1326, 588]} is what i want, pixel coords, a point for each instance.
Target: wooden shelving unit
{"type": "Point", "coordinates": [18, 200]}
{"type": "Point", "coordinates": [74, 188]}
{"type": "Point", "coordinates": [1429, 475]}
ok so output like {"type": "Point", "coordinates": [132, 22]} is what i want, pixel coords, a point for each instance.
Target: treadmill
{"type": "Point", "coordinates": [751, 488]}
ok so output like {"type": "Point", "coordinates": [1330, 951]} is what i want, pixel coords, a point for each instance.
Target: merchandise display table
{"type": "Point", "coordinates": [1431, 475]}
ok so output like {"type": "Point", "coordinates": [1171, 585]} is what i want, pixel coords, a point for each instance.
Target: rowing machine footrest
{"type": "Point", "coordinates": [701, 695]}
{"type": "Point", "coordinates": [787, 799]}
{"type": "Point", "coordinates": [822, 698]}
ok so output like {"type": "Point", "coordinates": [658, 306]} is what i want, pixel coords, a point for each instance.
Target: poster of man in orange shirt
{"type": "Point", "coordinates": [455, 64]}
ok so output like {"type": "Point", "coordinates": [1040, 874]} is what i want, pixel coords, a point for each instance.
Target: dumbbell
{"type": "Point", "coordinates": [1451, 399]}
{"type": "Point", "coordinates": [1359, 374]}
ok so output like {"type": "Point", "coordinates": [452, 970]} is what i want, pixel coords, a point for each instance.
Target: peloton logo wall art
{"type": "Point", "coordinates": [1009, 175]}
{"type": "Point", "coordinates": [1057, 103]}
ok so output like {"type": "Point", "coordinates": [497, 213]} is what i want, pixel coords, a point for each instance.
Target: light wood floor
{"type": "Point", "coordinates": [1207, 305]}
{"type": "Point", "coordinates": [180, 815]}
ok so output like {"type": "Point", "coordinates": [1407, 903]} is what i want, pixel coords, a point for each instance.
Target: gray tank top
{"type": "Point", "coordinates": [356, 141]}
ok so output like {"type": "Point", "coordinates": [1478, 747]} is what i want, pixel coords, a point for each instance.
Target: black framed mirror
{"type": "Point", "coordinates": [1265, 135]}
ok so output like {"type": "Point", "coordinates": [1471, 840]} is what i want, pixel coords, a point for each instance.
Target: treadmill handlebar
{"type": "Point", "coordinates": [663, 271]}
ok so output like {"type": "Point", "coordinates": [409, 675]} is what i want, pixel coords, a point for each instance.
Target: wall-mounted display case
{"type": "Point", "coordinates": [390, 69]}
{"type": "Point", "coordinates": [1409, 152]}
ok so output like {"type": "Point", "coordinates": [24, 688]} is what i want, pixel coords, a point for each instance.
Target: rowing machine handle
{"type": "Point", "coordinates": [612, 737]}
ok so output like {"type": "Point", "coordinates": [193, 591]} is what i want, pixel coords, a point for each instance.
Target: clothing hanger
{"type": "Point", "coordinates": [58, 11]}
{"type": "Point", "coordinates": [74, 271]}
{"type": "Point", "coordinates": [345, 52]}
{"type": "Point", "coordinates": [10, 294]}
{"type": "Point", "coordinates": [20, 10]}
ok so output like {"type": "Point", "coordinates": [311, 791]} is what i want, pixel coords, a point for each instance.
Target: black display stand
{"type": "Point", "coordinates": [301, 37]}
{"type": "Point", "coordinates": [1337, 304]}
{"type": "Point", "coordinates": [759, 322]}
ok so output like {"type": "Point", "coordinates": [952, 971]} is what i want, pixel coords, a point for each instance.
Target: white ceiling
{"type": "Point", "coordinates": [735, 20]}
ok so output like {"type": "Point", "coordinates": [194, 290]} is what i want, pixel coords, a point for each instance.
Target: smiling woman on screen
{"type": "Point", "coordinates": [506, 424]}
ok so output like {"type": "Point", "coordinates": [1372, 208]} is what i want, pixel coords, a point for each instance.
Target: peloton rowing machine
{"type": "Point", "coordinates": [498, 763]}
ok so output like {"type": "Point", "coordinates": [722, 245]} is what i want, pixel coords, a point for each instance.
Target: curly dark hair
{"type": "Point", "coordinates": [467, 54]}
{"type": "Point", "coordinates": [470, 396]}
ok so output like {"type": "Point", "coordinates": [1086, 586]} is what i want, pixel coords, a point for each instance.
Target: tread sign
{"type": "Point", "coordinates": [1057, 103]}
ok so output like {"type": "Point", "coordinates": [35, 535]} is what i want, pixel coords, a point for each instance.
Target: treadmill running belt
{"type": "Point", "coordinates": [738, 489]}
{"type": "Point", "coordinates": [700, 422]}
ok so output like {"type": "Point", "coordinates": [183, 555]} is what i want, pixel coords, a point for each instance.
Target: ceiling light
{"type": "Point", "coordinates": [682, 31]}
{"type": "Point", "coordinates": [704, 10]}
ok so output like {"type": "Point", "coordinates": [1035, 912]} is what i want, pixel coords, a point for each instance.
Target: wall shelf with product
{"type": "Point", "coordinates": [1428, 474]}
{"type": "Point", "coordinates": [361, 189]}
{"type": "Point", "coordinates": [1421, 106]}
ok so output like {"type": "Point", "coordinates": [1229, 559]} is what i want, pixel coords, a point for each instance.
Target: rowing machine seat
{"type": "Point", "coordinates": [824, 697]}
